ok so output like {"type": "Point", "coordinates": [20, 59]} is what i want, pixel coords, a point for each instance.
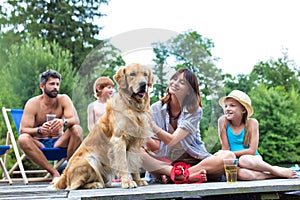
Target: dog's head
{"type": "Point", "coordinates": [135, 79]}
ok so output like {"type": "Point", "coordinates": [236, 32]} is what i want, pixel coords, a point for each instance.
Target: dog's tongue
{"type": "Point", "coordinates": [141, 94]}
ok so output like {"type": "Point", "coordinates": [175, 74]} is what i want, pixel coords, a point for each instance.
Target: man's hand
{"type": "Point", "coordinates": [44, 131]}
{"type": "Point", "coordinates": [55, 127]}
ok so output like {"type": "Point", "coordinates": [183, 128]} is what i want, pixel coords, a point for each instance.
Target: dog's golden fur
{"type": "Point", "coordinates": [114, 144]}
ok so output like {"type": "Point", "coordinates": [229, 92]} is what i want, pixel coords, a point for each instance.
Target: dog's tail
{"type": "Point", "coordinates": [61, 183]}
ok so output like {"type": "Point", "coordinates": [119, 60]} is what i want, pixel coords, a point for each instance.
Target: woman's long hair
{"type": "Point", "coordinates": [192, 100]}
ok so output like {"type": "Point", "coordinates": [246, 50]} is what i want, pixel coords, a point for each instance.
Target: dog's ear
{"type": "Point", "coordinates": [150, 79]}
{"type": "Point", "coordinates": [120, 78]}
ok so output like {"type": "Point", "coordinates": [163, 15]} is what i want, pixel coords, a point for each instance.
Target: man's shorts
{"type": "Point", "coordinates": [48, 142]}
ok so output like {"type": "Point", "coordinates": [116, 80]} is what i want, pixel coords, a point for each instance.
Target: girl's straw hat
{"type": "Point", "coordinates": [242, 98]}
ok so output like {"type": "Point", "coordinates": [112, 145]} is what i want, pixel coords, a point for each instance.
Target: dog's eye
{"type": "Point", "coordinates": [145, 74]}
{"type": "Point", "coordinates": [132, 74]}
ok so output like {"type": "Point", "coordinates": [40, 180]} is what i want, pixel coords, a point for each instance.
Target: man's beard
{"type": "Point", "coordinates": [51, 94]}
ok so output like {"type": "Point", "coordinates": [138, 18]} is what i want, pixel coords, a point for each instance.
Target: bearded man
{"type": "Point", "coordinates": [36, 132]}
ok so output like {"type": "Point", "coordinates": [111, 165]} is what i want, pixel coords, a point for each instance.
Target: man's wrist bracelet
{"type": "Point", "coordinates": [39, 130]}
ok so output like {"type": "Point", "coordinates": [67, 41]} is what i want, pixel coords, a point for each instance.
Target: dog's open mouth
{"type": "Point", "coordinates": [141, 91]}
{"type": "Point", "coordinates": [141, 94]}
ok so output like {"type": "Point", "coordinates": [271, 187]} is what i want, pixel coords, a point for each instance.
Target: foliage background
{"type": "Point", "coordinates": [43, 35]}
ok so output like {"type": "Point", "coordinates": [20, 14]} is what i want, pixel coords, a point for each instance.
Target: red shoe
{"type": "Point", "coordinates": [179, 173]}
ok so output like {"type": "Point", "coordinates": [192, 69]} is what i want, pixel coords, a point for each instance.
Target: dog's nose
{"type": "Point", "coordinates": [142, 84]}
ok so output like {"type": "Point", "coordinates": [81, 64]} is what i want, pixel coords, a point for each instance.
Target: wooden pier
{"type": "Point", "coordinates": [265, 189]}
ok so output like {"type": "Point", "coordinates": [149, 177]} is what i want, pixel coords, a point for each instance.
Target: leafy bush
{"type": "Point", "coordinates": [278, 114]}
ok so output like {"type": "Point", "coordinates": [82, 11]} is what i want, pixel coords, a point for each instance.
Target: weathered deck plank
{"type": "Point", "coordinates": [187, 190]}
{"type": "Point", "coordinates": [153, 191]}
{"type": "Point", "coordinates": [36, 190]}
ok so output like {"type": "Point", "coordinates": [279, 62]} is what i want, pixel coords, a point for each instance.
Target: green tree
{"type": "Point", "coordinates": [191, 50]}
{"type": "Point", "coordinates": [241, 82]}
{"type": "Point", "coordinates": [272, 73]}
{"type": "Point", "coordinates": [280, 72]}
{"type": "Point", "coordinates": [20, 75]}
{"type": "Point", "coordinates": [68, 22]}
{"type": "Point", "coordinates": [26, 62]}
{"type": "Point", "coordinates": [159, 70]}
{"type": "Point", "coordinates": [208, 128]}
{"type": "Point", "coordinates": [278, 114]}
{"type": "Point", "coordinates": [6, 40]}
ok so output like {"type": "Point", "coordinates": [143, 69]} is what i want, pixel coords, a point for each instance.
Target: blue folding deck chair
{"type": "Point", "coordinates": [5, 174]}
{"type": "Point", "coordinates": [58, 155]}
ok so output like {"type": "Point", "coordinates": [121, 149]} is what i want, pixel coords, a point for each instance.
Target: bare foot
{"type": "Point", "coordinates": [165, 179]}
{"type": "Point", "coordinates": [285, 172]}
{"type": "Point", "coordinates": [199, 177]}
{"type": "Point", "coordinates": [203, 174]}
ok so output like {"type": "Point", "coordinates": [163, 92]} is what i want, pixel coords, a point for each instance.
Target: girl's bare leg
{"type": "Point", "coordinates": [259, 169]}
{"type": "Point", "coordinates": [248, 175]}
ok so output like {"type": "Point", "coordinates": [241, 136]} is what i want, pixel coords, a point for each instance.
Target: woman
{"type": "Point", "coordinates": [177, 143]}
{"type": "Point", "coordinates": [103, 90]}
{"type": "Point", "coordinates": [239, 133]}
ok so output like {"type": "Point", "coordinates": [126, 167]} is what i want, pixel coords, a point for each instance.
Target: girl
{"type": "Point", "coordinates": [177, 143]}
{"type": "Point", "coordinates": [239, 133]}
{"type": "Point", "coordinates": [103, 90]}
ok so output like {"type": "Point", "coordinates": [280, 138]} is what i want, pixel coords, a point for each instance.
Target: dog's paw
{"type": "Point", "coordinates": [141, 182]}
{"type": "Point", "coordinates": [94, 185]}
{"type": "Point", "coordinates": [127, 183]}
{"type": "Point", "coordinates": [98, 185]}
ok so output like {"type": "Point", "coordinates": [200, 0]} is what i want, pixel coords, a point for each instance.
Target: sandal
{"type": "Point", "coordinates": [179, 173]}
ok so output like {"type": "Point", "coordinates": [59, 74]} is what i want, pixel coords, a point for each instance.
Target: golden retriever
{"type": "Point", "coordinates": [113, 146]}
